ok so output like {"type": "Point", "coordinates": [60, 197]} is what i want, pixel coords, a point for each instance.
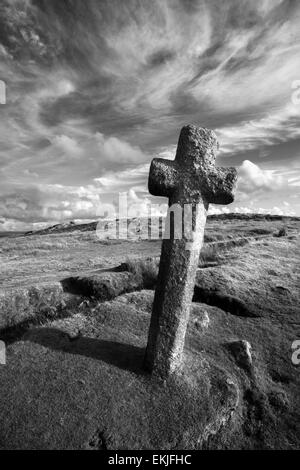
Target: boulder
{"type": "Point", "coordinates": [103, 286]}
{"type": "Point", "coordinates": [241, 350]}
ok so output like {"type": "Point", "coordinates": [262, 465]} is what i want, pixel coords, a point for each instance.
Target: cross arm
{"type": "Point", "coordinates": [219, 185]}
{"type": "Point", "coordinates": [162, 177]}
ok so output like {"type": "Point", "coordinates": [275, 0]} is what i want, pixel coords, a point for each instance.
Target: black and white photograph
{"type": "Point", "coordinates": [150, 228]}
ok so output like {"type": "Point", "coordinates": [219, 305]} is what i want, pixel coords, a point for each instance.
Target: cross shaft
{"type": "Point", "coordinates": [191, 182]}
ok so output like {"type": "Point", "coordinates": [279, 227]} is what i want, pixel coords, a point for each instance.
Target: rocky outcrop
{"type": "Point", "coordinates": [103, 286]}
{"type": "Point", "coordinates": [20, 304]}
{"type": "Point", "coordinates": [91, 392]}
{"type": "Point", "coordinates": [241, 351]}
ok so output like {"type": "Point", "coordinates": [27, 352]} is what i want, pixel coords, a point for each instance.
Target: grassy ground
{"type": "Point", "coordinates": [29, 259]}
{"type": "Point", "coordinates": [78, 383]}
{"type": "Point", "coordinates": [74, 377]}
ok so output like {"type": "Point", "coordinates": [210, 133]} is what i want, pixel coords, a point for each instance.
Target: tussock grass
{"type": "Point", "coordinates": [27, 260]}
{"type": "Point", "coordinates": [209, 254]}
{"type": "Point", "coordinates": [146, 268]}
{"type": "Point", "coordinates": [282, 232]}
{"type": "Point", "coordinates": [260, 231]}
{"type": "Point", "coordinates": [213, 237]}
{"type": "Point", "coordinates": [216, 253]}
{"type": "Point", "coordinates": [32, 247]}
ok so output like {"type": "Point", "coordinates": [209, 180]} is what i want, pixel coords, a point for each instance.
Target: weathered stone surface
{"type": "Point", "coordinates": [26, 303]}
{"type": "Point", "coordinates": [20, 304]}
{"type": "Point", "coordinates": [278, 399]}
{"type": "Point", "coordinates": [190, 181]}
{"type": "Point", "coordinates": [103, 286]}
{"type": "Point", "coordinates": [58, 393]}
{"type": "Point", "coordinates": [214, 288]}
{"type": "Point", "coordinates": [201, 317]}
{"type": "Point", "coordinates": [93, 392]}
{"type": "Point", "coordinates": [241, 350]}
{"type": "Point", "coordinates": [141, 300]}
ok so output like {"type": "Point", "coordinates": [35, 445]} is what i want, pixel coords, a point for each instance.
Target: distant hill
{"type": "Point", "coordinates": [11, 234]}
{"type": "Point", "coordinates": [65, 227]}
{"type": "Point", "coordinates": [91, 226]}
{"type": "Point", "coordinates": [268, 217]}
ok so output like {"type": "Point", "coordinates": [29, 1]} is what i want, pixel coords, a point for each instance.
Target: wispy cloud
{"type": "Point", "coordinates": [95, 89]}
{"type": "Point", "coordinates": [253, 179]}
{"type": "Point", "coordinates": [278, 126]}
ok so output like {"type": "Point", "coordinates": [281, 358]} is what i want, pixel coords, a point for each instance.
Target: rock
{"type": "Point", "coordinates": [281, 232]}
{"type": "Point", "coordinates": [83, 386]}
{"type": "Point", "coordinates": [201, 320]}
{"type": "Point", "coordinates": [20, 304]}
{"type": "Point", "coordinates": [141, 300]}
{"type": "Point", "coordinates": [103, 286]}
{"type": "Point", "coordinates": [241, 351]}
{"type": "Point", "coordinates": [191, 180]}
{"type": "Point", "coordinates": [96, 442]}
{"type": "Point", "coordinates": [74, 336]}
{"type": "Point", "coordinates": [215, 287]}
{"type": "Point", "coordinates": [278, 399]}
{"type": "Point", "coordinates": [44, 406]}
{"type": "Point", "coordinates": [282, 289]}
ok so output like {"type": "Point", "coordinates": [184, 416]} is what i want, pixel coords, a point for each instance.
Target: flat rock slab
{"type": "Point", "coordinates": [103, 286]}
{"type": "Point", "coordinates": [24, 303]}
{"type": "Point", "coordinates": [78, 383]}
{"type": "Point", "coordinates": [259, 281]}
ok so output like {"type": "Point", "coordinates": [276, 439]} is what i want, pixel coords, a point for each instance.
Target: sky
{"type": "Point", "coordinates": [95, 89]}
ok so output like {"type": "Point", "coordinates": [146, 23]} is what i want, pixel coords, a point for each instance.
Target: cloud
{"type": "Point", "coordinates": [66, 145]}
{"type": "Point", "coordinates": [135, 179]}
{"type": "Point", "coordinates": [30, 174]}
{"type": "Point", "coordinates": [279, 126]}
{"type": "Point", "coordinates": [96, 89]}
{"type": "Point", "coordinates": [116, 150]}
{"type": "Point", "coordinates": [51, 203]}
{"type": "Point", "coordinates": [253, 179]}
{"type": "Point", "coordinates": [253, 210]}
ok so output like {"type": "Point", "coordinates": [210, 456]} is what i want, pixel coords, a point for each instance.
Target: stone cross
{"type": "Point", "coordinates": [191, 182]}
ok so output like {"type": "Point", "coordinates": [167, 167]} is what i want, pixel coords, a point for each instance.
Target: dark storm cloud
{"type": "Point", "coordinates": [96, 87]}
{"type": "Point", "coordinates": [160, 57]}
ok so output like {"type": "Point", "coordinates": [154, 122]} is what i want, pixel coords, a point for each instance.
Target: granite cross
{"type": "Point", "coordinates": [191, 182]}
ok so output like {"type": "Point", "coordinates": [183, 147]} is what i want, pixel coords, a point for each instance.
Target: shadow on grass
{"type": "Point", "coordinates": [123, 356]}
